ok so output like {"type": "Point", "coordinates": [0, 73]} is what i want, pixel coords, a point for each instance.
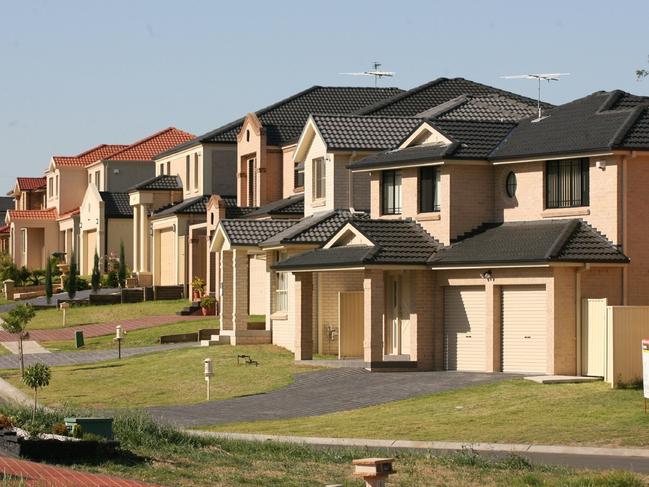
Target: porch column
{"type": "Point", "coordinates": [136, 238]}
{"type": "Point", "coordinates": [272, 287]}
{"type": "Point", "coordinates": [241, 275]}
{"type": "Point", "coordinates": [303, 316]}
{"type": "Point", "coordinates": [226, 289]}
{"type": "Point", "coordinates": [144, 235]}
{"type": "Point", "coordinates": [374, 309]}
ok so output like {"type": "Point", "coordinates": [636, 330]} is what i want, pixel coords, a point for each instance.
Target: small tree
{"type": "Point", "coordinates": [71, 284]}
{"type": "Point", "coordinates": [48, 281]}
{"type": "Point", "coordinates": [122, 265]}
{"type": "Point", "coordinates": [96, 275]}
{"type": "Point", "coordinates": [15, 322]}
{"type": "Point", "coordinates": [36, 377]}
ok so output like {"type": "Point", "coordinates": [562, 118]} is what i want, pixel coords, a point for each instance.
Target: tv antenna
{"type": "Point", "coordinates": [375, 71]}
{"type": "Point", "coordinates": [539, 77]}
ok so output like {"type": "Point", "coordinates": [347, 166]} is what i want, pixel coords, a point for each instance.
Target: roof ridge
{"type": "Point", "coordinates": [630, 121]}
{"type": "Point", "coordinates": [569, 230]}
{"type": "Point", "coordinates": [400, 96]}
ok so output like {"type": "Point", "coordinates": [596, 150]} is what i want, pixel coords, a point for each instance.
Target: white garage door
{"type": "Point", "coordinates": [464, 328]}
{"type": "Point", "coordinates": [524, 329]}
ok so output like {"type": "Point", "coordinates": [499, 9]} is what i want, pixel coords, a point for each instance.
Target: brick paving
{"type": "Point", "coordinates": [322, 392]}
{"type": "Point", "coordinates": [38, 474]}
{"type": "Point", "coordinates": [80, 358]}
{"type": "Point", "coordinates": [101, 329]}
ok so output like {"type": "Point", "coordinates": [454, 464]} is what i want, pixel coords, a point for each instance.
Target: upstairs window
{"type": "Point", "coordinates": [429, 183]}
{"type": "Point", "coordinates": [319, 178]}
{"type": "Point", "coordinates": [196, 171]}
{"type": "Point", "coordinates": [391, 193]}
{"type": "Point", "coordinates": [162, 169]}
{"type": "Point", "coordinates": [298, 176]}
{"type": "Point", "coordinates": [50, 187]}
{"type": "Point", "coordinates": [567, 183]}
{"type": "Point", "coordinates": [251, 181]}
{"type": "Point", "coordinates": [281, 292]}
{"type": "Point", "coordinates": [187, 175]}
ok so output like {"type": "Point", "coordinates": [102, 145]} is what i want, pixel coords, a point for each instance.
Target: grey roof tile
{"type": "Point", "coordinates": [293, 205]}
{"type": "Point", "coordinates": [530, 241]}
{"type": "Point", "coordinates": [161, 182]}
{"type": "Point", "coordinates": [196, 205]}
{"type": "Point", "coordinates": [348, 132]}
{"type": "Point", "coordinates": [252, 232]}
{"type": "Point", "coordinates": [116, 205]}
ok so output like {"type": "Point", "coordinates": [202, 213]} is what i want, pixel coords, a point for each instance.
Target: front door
{"type": "Point", "coordinates": [350, 323]}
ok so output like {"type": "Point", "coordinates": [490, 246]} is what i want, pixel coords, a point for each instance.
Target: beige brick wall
{"type": "Point", "coordinates": [288, 184]}
{"type": "Point", "coordinates": [603, 282]}
{"type": "Point", "coordinates": [471, 195]}
{"type": "Point", "coordinates": [637, 241]}
{"type": "Point", "coordinates": [258, 285]}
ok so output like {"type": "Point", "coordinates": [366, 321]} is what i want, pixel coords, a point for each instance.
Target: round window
{"type": "Point", "coordinates": [511, 185]}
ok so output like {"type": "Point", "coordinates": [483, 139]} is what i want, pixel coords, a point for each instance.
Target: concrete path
{"type": "Point", "coordinates": [101, 329]}
{"type": "Point", "coordinates": [78, 358]}
{"type": "Point", "coordinates": [632, 459]}
{"type": "Point", "coordinates": [29, 347]}
{"type": "Point", "coordinates": [322, 392]}
{"type": "Point", "coordinates": [39, 474]}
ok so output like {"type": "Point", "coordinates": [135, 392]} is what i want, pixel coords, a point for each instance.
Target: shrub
{"type": "Point", "coordinates": [95, 280]}
{"type": "Point", "coordinates": [60, 429]}
{"type": "Point", "coordinates": [48, 281]}
{"type": "Point", "coordinates": [36, 377]}
{"type": "Point", "coordinates": [35, 427]}
{"type": "Point", "coordinates": [77, 431]}
{"type": "Point", "coordinates": [71, 283]}
{"type": "Point", "coordinates": [207, 301]}
{"type": "Point", "coordinates": [93, 437]}
{"type": "Point", "coordinates": [121, 271]}
{"type": "Point", "coordinates": [110, 279]}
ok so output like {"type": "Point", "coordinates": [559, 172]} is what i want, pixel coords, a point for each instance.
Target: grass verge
{"type": "Point", "coordinates": [163, 455]}
{"type": "Point", "coordinates": [136, 338]}
{"type": "Point", "coordinates": [515, 411]}
{"type": "Point", "coordinates": [173, 377]}
{"type": "Point", "coordinates": [88, 315]}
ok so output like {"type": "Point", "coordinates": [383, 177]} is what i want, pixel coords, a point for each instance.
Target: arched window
{"type": "Point", "coordinates": [511, 184]}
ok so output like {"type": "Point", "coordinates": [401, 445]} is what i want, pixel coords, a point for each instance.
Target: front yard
{"type": "Point", "coordinates": [173, 377]}
{"type": "Point", "coordinates": [515, 411]}
{"type": "Point", "coordinates": [87, 315]}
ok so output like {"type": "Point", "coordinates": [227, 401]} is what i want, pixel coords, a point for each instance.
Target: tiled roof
{"type": "Point", "coordinates": [394, 242]}
{"type": "Point", "coordinates": [284, 120]}
{"type": "Point", "coordinates": [161, 183]}
{"type": "Point", "coordinates": [147, 148]}
{"type": "Point", "coordinates": [27, 184]}
{"type": "Point", "coordinates": [434, 93]}
{"type": "Point", "coordinates": [49, 214]}
{"type": "Point", "coordinates": [485, 108]}
{"type": "Point", "coordinates": [601, 121]}
{"type": "Point", "coordinates": [293, 205]}
{"type": "Point", "coordinates": [68, 214]}
{"type": "Point", "coordinates": [252, 232]}
{"type": "Point", "coordinates": [470, 140]}
{"type": "Point", "coordinates": [530, 241]}
{"type": "Point", "coordinates": [349, 132]}
{"type": "Point", "coordinates": [196, 205]}
{"type": "Point", "coordinates": [5, 229]}
{"type": "Point", "coordinates": [6, 203]}
{"type": "Point", "coordinates": [116, 205]}
{"type": "Point", "coordinates": [88, 157]}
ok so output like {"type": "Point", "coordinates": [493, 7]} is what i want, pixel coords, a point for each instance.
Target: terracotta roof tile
{"type": "Point", "coordinates": [88, 157]}
{"type": "Point", "coordinates": [26, 184]}
{"type": "Point", "coordinates": [147, 148]}
{"type": "Point", "coordinates": [4, 229]}
{"type": "Point", "coordinates": [49, 214]}
{"type": "Point", "coordinates": [68, 214]}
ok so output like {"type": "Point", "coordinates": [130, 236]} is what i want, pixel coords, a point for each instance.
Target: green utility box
{"type": "Point", "coordinates": [97, 426]}
{"type": "Point", "coordinates": [78, 338]}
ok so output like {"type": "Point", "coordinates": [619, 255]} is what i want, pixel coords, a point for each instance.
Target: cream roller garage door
{"type": "Point", "coordinates": [91, 248]}
{"type": "Point", "coordinates": [464, 328]}
{"type": "Point", "coordinates": [167, 258]}
{"type": "Point", "coordinates": [524, 329]}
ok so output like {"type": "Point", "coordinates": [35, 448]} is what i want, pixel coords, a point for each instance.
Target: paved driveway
{"type": "Point", "coordinates": [322, 392]}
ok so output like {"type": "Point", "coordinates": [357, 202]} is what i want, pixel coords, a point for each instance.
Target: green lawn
{"type": "Point", "coordinates": [514, 411]}
{"type": "Point", "coordinates": [87, 315]}
{"type": "Point", "coordinates": [174, 377]}
{"type": "Point", "coordinates": [163, 455]}
{"type": "Point", "coordinates": [136, 338]}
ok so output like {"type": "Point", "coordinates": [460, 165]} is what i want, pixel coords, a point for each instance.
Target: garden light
{"type": "Point", "coordinates": [207, 363]}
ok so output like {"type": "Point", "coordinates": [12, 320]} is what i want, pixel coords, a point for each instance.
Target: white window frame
{"type": "Point", "coordinates": [319, 178]}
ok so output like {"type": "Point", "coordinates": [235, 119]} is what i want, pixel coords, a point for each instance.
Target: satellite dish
{"type": "Point", "coordinates": [539, 77]}
{"type": "Point", "coordinates": [375, 71]}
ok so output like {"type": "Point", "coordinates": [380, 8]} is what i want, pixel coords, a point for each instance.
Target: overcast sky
{"type": "Point", "coordinates": [74, 74]}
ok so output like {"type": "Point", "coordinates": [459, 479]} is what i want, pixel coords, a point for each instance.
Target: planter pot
{"type": "Point", "coordinates": [209, 311]}
{"type": "Point", "coordinates": [196, 295]}
{"type": "Point", "coordinates": [131, 282]}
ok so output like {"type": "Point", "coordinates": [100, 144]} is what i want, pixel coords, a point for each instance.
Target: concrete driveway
{"type": "Point", "coordinates": [322, 392]}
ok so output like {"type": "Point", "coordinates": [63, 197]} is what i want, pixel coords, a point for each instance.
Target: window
{"type": "Point", "coordinates": [97, 179]}
{"type": "Point", "coordinates": [162, 169]}
{"type": "Point", "coordinates": [281, 293]}
{"type": "Point", "coordinates": [251, 181]}
{"type": "Point", "coordinates": [391, 193]}
{"type": "Point", "coordinates": [510, 184]}
{"type": "Point", "coordinates": [89, 178]}
{"type": "Point", "coordinates": [168, 167]}
{"type": "Point", "coordinates": [50, 187]}
{"type": "Point", "coordinates": [429, 182]}
{"type": "Point", "coordinates": [56, 185]}
{"type": "Point", "coordinates": [187, 178]}
{"type": "Point", "coordinates": [298, 176]}
{"type": "Point", "coordinates": [195, 171]}
{"type": "Point", "coordinates": [319, 178]}
{"type": "Point", "coordinates": [212, 218]}
{"type": "Point", "coordinates": [567, 183]}
{"type": "Point", "coordinates": [247, 135]}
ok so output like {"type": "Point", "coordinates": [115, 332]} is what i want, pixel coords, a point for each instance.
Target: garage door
{"type": "Point", "coordinates": [524, 329]}
{"type": "Point", "coordinates": [167, 261]}
{"type": "Point", "coordinates": [464, 328]}
{"type": "Point", "coordinates": [91, 248]}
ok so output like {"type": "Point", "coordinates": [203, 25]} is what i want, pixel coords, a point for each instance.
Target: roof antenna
{"type": "Point", "coordinates": [539, 76]}
{"type": "Point", "coordinates": [375, 71]}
